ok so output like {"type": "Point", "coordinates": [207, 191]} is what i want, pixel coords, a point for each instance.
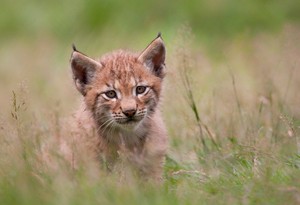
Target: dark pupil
{"type": "Point", "coordinates": [111, 94]}
{"type": "Point", "coordinates": [140, 89]}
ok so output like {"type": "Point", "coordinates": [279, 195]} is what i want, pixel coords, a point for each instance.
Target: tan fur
{"type": "Point", "coordinates": [128, 126]}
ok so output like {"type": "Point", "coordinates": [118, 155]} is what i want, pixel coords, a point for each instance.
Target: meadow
{"type": "Point", "coordinates": [231, 100]}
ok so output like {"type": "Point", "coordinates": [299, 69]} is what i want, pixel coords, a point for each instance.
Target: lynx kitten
{"type": "Point", "coordinates": [120, 115]}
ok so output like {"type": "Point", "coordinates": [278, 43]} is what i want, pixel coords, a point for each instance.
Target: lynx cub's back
{"type": "Point", "coordinates": [120, 113]}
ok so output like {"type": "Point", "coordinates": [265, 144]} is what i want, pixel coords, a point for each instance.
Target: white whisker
{"type": "Point", "coordinates": [108, 125]}
{"type": "Point", "coordinates": [105, 124]}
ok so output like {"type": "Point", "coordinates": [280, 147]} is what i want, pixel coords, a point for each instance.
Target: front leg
{"type": "Point", "coordinates": [153, 157]}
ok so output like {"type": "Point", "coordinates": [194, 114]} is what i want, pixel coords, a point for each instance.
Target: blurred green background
{"type": "Point", "coordinates": [71, 20]}
{"type": "Point", "coordinates": [36, 36]}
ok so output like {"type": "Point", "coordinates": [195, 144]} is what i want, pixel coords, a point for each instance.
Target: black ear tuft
{"type": "Point", "coordinates": [159, 35]}
{"type": "Point", "coordinates": [74, 47]}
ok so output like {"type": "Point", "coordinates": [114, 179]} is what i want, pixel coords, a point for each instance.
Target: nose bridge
{"type": "Point", "coordinates": [128, 103]}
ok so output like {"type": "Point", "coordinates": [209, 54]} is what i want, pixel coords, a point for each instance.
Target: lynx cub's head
{"type": "Point", "coordinates": [122, 89]}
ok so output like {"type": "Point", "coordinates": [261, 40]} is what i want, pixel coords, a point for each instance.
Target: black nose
{"type": "Point", "coordinates": [129, 113]}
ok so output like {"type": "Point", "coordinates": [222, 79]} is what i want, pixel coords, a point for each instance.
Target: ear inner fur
{"type": "Point", "coordinates": [83, 69]}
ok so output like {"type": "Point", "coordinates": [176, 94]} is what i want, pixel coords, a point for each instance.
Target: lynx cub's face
{"type": "Point", "coordinates": [122, 89]}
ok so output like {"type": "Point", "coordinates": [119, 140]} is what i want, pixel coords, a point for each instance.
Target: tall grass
{"type": "Point", "coordinates": [233, 127]}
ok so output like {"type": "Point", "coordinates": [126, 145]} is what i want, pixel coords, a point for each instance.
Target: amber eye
{"type": "Point", "coordinates": [140, 89]}
{"type": "Point", "coordinates": [111, 94]}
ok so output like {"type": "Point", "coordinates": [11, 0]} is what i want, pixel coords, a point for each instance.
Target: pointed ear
{"type": "Point", "coordinates": [83, 69]}
{"type": "Point", "coordinates": [153, 57]}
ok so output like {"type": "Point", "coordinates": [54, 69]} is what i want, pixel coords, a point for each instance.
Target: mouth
{"type": "Point", "coordinates": [128, 123]}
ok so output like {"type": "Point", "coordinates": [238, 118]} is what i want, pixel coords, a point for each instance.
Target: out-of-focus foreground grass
{"type": "Point", "coordinates": [231, 99]}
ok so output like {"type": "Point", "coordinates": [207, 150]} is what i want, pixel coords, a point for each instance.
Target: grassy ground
{"type": "Point", "coordinates": [232, 110]}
